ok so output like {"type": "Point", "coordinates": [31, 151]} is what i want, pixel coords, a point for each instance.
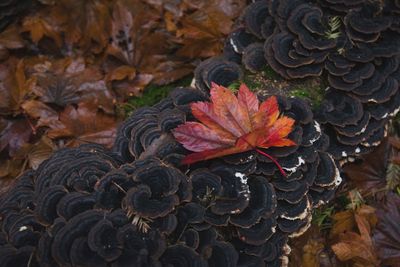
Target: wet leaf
{"type": "Point", "coordinates": [230, 125]}
{"type": "Point", "coordinates": [387, 233]}
{"type": "Point", "coordinates": [311, 250]}
{"type": "Point", "coordinates": [85, 124]}
{"type": "Point", "coordinates": [369, 174]}
{"type": "Point", "coordinates": [45, 115]}
{"type": "Point", "coordinates": [14, 134]}
{"type": "Point", "coordinates": [14, 86]}
{"type": "Point", "coordinates": [86, 22]}
{"type": "Point", "coordinates": [10, 39]}
{"type": "Point", "coordinates": [357, 247]}
{"type": "Point", "coordinates": [345, 221]}
{"type": "Point", "coordinates": [38, 27]}
{"type": "Point", "coordinates": [202, 28]}
{"type": "Point", "coordinates": [70, 81]}
{"type": "Point", "coordinates": [36, 153]}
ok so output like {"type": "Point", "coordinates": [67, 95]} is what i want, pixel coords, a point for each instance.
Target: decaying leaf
{"type": "Point", "coordinates": [369, 174]}
{"type": "Point", "coordinates": [230, 125]}
{"type": "Point", "coordinates": [14, 86]}
{"type": "Point", "coordinates": [311, 250]}
{"type": "Point", "coordinates": [357, 247]}
{"type": "Point", "coordinates": [70, 81]}
{"type": "Point", "coordinates": [387, 233]}
{"type": "Point", "coordinates": [45, 115]}
{"type": "Point", "coordinates": [345, 221]}
{"type": "Point", "coordinates": [85, 124]}
{"type": "Point", "coordinates": [39, 27]}
{"type": "Point", "coordinates": [202, 28]}
{"type": "Point", "coordinates": [14, 134]}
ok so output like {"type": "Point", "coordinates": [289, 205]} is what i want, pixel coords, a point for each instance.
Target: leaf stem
{"type": "Point", "coordinates": [273, 160]}
{"type": "Point", "coordinates": [266, 155]}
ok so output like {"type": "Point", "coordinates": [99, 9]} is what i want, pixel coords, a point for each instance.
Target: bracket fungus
{"type": "Point", "coordinates": [139, 205]}
{"type": "Point", "coordinates": [353, 46]}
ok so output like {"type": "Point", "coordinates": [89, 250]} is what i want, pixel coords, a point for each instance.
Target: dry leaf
{"type": "Point", "coordinates": [14, 134]}
{"type": "Point", "coordinates": [14, 86]}
{"type": "Point", "coordinates": [387, 233]}
{"type": "Point", "coordinates": [311, 250]}
{"type": "Point", "coordinates": [369, 175]}
{"type": "Point", "coordinates": [357, 247]}
{"type": "Point", "coordinates": [45, 115]}
{"type": "Point", "coordinates": [86, 22]}
{"type": "Point", "coordinates": [85, 124]}
{"type": "Point", "coordinates": [70, 81]}
{"type": "Point", "coordinates": [203, 33]}
{"type": "Point", "coordinates": [345, 221]}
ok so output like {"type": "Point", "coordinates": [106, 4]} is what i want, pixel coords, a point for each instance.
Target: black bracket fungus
{"type": "Point", "coordinates": [353, 46]}
{"type": "Point", "coordinates": [139, 206]}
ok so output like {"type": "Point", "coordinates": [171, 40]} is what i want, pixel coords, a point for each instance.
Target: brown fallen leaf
{"type": "Point", "coordinates": [10, 38]}
{"type": "Point", "coordinates": [357, 247]}
{"type": "Point", "coordinates": [14, 134]}
{"type": "Point", "coordinates": [387, 232]}
{"type": "Point", "coordinates": [36, 153]}
{"type": "Point", "coordinates": [70, 81]}
{"type": "Point", "coordinates": [9, 169]}
{"type": "Point", "coordinates": [85, 124]}
{"type": "Point", "coordinates": [345, 221]}
{"type": "Point", "coordinates": [85, 23]}
{"type": "Point", "coordinates": [39, 27]}
{"type": "Point", "coordinates": [121, 73]}
{"type": "Point", "coordinates": [45, 115]}
{"type": "Point", "coordinates": [311, 250]}
{"type": "Point", "coordinates": [14, 86]}
{"type": "Point", "coordinates": [369, 174]}
{"type": "Point", "coordinates": [203, 33]}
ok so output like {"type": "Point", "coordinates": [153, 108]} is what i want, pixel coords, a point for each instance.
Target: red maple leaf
{"type": "Point", "coordinates": [230, 125]}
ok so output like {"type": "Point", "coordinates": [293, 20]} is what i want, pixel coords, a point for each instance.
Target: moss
{"type": "Point", "coordinates": [152, 94]}
{"type": "Point", "coordinates": [309, 90]}
{"type": "Point", "coordinates": [269, 73]}
{"type": "Point", "coordinates": [323, 217]}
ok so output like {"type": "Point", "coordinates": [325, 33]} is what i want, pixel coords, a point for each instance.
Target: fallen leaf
{"type": "Point", "coordinates": [311, 250]}
{"type": "Point", "coordinates": [85, 124]}
{"type": "Point", "coordinates": [10, 39]}
{"type": "Point", "coordinates": [230, 125]}
{"type": "Point", "coordinates": [38, 27]}
{"type": "Point", "coordinates": [121, 73]}
{"type": "Point", "coordinates": [36, 153]}
{"type": "Point", "coordinates": [86, 22]}
{"type": "Point", "coordinates": [203, 33]}
{"type": "Point", "coordinates": [10, 169]}
{"type": "Point", "coordinates": [357, 247]}
{"type": "Point", "coordinates": [386, 235]}
{"type": "Point", "coordinates": [345, 221]}
{"type": "Point", "coordinates": [45, 115]}
{"type": "Point", "coordinates": [14, 86]}
{"type": "Point", "coordinates": [14, 134]}
{"type": "Point", "coordinates": [369, 173]}
{"type": "Point", "coordinates": [70, 81]}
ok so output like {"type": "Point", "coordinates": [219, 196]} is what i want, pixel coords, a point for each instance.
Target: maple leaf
{"type": "Point", "coordinates": [14, 86]}
{"type": "Point", "coordinates": [345, 221]}
{"type": "Point", "coordinates": [387, 233]}
{"type": "Point", "coordinates": [203, 28]}
{"type": "Point", "coordinates": [85, 124]}
{"type": "Point", "coordinates": [70, 81]}
{"type": "Point", "coordinates": [369, 173]}
{"type": "Point", "coordinates": [230, 125]}
{"type": "Point", "coordinates": [357, 247]}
